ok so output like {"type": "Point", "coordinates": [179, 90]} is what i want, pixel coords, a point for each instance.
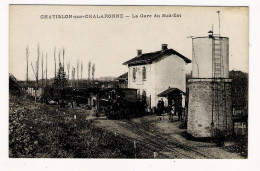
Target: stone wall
{"type": "Point", "coordinates": [200, 117]}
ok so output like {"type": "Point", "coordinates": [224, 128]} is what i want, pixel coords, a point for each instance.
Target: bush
{"type": "Point", "coordinates": [14, 88]}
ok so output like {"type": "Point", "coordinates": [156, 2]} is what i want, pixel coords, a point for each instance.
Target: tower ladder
{"type": "Point", "coordinates": [218, 106]}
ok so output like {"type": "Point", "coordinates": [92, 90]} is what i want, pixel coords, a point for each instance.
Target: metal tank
{"type": "Point", "coordinates": [210, 57]}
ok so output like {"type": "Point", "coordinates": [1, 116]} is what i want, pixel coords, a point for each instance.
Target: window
{"type": "Point", "coordinates": [134, 74]}
{"type": "Point", "coordinates": [144, 73]}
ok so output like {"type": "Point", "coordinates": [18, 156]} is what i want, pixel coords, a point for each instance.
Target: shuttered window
{"type": "Point", "coordinates": [134, 74]}
{"type": "Point", "coordinates": [144, 73]}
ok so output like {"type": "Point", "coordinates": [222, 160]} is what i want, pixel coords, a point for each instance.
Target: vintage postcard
{"type": "Point", "coordinates": [163, 82]}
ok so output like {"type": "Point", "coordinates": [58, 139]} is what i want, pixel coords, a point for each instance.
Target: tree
{"type": "Point", "coordinates": [13, 85]}
{"type": "Point", "coordinates": [59, 58]}
{"type": "Point", "coordinates": [68, 68]}
{"type": "Point", "coordinates": [36, 71]}
{"type": "Point", "coordinates": [55, 62]}
{"type": "Point", "coordinates": [42, 72]}
{"type": "Point", "coordinates": [93, 71]}
{"type": "Point", "coordinates": [77, 73]}
{"type": "Point", "coordinates": [81, 68]}
{"type": "Point", "coordinates": [63, 53]}
{"type": "Point", "coordinates": [89, 67]}
{"type": "Point", "coordinates": [73, 76]}
{"type": "Point", "coordinates": [60, 81]}
{"type": "Point", "coordinates": [239, 88]}
{"type": "Point", "coordinates": [46, 72]}
{"type": "Point", "coordinates": [27, 58]}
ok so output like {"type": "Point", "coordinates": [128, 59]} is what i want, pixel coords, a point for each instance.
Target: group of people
{"type": "Point", "coordinates": [172, 109]}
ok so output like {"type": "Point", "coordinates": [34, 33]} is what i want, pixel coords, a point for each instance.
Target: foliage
{"type": "Point", "coordinates": [61, 80]}
{"type": "Point", "coordinates": [41, 131]}
{"type": "Point", "coordinates": [239, 80]}
{"type": "Point", "coordinates": [239, 88]}
{"type": "Point", "coordinates": [13, 85]}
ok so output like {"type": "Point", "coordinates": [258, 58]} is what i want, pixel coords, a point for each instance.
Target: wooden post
{"type": "Point", "coordinates": [135, 148]}
{"type": "Point", "coordinates": [155, 154]}
{"type": "Point", "coordinates": [75, 117]}
{"type": "Point", "coordinates": [243, 128]}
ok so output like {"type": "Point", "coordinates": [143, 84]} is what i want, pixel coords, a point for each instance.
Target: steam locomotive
{"type": "Point", "coordinates": [115, 103]}
{"type": "Point", "coordinates": [122, 104]}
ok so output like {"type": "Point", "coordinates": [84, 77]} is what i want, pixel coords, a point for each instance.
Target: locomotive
{"type": "Point", "coordinates": [115, 103]}
{"type": "Point", "coordinates": [122, 104]}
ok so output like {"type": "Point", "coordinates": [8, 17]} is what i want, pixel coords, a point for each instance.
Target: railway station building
{"type": "Point", "coordinates": [158, 75]}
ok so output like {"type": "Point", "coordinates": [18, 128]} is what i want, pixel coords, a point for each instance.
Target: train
{"type": "Point", "coordinates": [122, 104]}
{"type": "Point", "coordinates": [115, 103]}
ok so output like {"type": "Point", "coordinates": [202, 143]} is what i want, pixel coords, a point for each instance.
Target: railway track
{"type": "Point", "coordinates": [154, 139]}
{"type": "Point", "coordinates": [176, 142]}
{"type": "Point", "coordinates": [155, 144]}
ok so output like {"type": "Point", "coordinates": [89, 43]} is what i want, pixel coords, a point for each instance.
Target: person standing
{"type": "Point", "coordinates": [180, 113]}
{"type": "Point", "coordinates": [162, 105]}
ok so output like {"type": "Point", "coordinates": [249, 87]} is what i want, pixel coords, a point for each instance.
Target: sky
{"type": "Point", "coordinates": [109, 42]}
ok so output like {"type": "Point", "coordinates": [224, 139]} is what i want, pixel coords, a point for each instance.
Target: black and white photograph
{"type": "Point", "coordinates": [128, 82]}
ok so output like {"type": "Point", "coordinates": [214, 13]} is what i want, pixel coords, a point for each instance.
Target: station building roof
{"type": "Point", "coordinates": [148, 58]}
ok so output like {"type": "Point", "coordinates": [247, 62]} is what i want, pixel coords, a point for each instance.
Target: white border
{"type": "Point", "coordinates": [105, 164]}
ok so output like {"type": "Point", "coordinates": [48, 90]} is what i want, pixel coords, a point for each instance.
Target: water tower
{"type": "Point", "coordinates": [210, 106]}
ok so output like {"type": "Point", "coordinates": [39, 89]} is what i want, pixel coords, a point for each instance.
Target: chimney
{"type": "Point", "coordinates": [164, 46]}
{"type": "Point", "coordinates": [139, 52]}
